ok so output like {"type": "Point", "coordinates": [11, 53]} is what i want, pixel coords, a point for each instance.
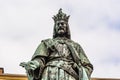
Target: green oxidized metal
{"type": "Point", "coordinates": [59, 58]}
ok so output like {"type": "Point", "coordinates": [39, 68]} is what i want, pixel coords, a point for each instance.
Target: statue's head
{"type": "Point", "coordinates": [61, 27]}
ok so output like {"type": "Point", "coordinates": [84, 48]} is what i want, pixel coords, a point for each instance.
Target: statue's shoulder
{"type": "Point", "coordinates": [48, 41]}
{"type": "Point", "coordinates": [73, 42]}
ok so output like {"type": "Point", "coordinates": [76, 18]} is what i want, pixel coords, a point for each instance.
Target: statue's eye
{"type": "Point", "coordinates": [58, 24]}
{"type": "Point", "coordinates": [62, 24]}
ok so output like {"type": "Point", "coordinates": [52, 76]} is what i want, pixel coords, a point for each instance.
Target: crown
{"type": "Point", "coordinates": [60, 16]}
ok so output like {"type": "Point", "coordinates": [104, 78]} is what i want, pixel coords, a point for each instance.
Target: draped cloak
{"type": "Point", "coordinates": [50, 69]}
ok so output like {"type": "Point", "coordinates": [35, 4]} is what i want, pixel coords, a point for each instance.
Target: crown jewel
{"type": "Point", "coordinates": [60, 16]}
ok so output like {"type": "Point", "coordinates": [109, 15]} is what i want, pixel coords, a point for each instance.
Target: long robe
{"type": "Point", "coordinates": [57, 61]}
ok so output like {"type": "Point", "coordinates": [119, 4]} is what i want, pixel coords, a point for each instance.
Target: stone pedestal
{"type": "Point", "coordinates": [24, 77]}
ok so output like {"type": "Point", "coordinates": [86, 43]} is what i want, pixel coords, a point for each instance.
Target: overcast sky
{"type": "Point", "coordinates": [94, 24]}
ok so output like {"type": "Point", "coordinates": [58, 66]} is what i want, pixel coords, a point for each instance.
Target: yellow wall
{"type": "Point", "coordinates": [12, 77]}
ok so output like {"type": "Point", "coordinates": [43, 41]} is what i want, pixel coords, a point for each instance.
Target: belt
{"type": "Point", "coordinates": [65, 66]}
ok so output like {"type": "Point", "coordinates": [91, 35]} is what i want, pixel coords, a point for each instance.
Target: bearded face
{"type": "Point", "coordinates": [61, 28]}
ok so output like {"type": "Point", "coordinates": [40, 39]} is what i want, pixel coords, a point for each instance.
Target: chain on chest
{"type": "Point", "coordinates": [62, 50]}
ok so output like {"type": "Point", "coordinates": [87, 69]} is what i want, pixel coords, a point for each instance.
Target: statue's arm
{"type": "Point", "coordinates": [85, 61]}
{"type": "Point", "coordinates": [35, 66]}
{"type": "Point", "coordinates": [40, 56]}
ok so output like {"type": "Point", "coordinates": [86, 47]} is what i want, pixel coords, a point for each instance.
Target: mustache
{"type": "Point", "coordinates": [60, 28]}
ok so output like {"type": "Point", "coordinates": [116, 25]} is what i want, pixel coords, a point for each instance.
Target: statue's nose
{"type": "Point", "coordinates": [60, 25]}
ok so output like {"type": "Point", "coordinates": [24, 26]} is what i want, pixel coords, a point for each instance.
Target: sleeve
{"type": "Point", "coordinates": [40, 55]}
{"type": "Point", "coordinates": [85, 61]}
{"type": "Point", "coordinates": [41, 51]}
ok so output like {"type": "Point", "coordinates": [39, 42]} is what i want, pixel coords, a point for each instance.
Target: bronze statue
{"type": "Point", "coordinates": [59, 58]}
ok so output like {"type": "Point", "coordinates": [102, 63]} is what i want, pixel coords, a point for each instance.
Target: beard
{"type": "Point", "coordinates": [61, 33]}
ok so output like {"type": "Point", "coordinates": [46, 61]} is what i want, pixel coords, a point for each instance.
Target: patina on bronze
{"type": "Point", "coordinates": [59, 58]}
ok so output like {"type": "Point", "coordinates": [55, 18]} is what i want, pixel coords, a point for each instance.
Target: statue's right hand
{"type": "Point", "coordinates": [30, 65]}
{"type": "Point", "coordinates": [23, 64]}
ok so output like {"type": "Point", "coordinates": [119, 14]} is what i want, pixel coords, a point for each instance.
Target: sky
{"type": "Point", "coordinates": [94, 24]}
